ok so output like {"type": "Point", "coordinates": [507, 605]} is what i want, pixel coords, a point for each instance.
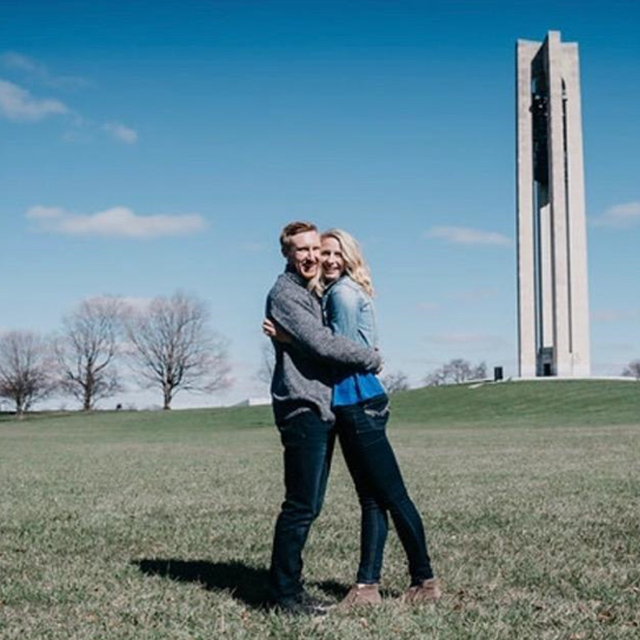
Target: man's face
{"type": "Point", "coordinates": [304, 253]}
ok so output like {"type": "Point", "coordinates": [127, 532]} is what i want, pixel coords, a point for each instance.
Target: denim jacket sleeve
{"type": "Point", "coordinates": [349, 312]}
{"type": "Point", "coordinates": [342, 309]}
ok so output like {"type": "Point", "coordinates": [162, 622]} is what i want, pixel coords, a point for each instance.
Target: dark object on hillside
{"type": "Point", "coordinates": [497, 374]}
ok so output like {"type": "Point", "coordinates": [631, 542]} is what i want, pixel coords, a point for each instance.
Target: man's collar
{"type": "Point", "coordinates": [295, 276]}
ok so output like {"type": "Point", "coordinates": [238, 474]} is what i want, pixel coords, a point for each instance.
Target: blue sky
{"type": "Point", "coordinates": [154, 146]}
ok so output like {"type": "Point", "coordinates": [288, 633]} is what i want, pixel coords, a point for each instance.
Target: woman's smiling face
{"type": "Point", "coordinates": [331, 259]}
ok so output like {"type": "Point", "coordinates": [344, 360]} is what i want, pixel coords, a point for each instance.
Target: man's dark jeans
{"type": "Point", "coordinates": [362, 432]}
{"type": "Point", "coordinates": [308, 446]}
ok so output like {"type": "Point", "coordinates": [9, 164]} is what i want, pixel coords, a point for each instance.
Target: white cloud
{"type": "Point", "coordinates": [485, 340]}
{"type": "Point", "coordinates": [608, 316]}
{"type": "Point", "coordinates": [620, 216]}
{"type": "Point", "coordinates": [18, 104]}
{"type": "Point", "coordinates": [115, 222]}
{"type": "Point", "coordinates": [14, 61]}
{"type": "Point", "coordinates": [77, 136]}
{"type": "Point", "coordinates": [44, 213]}
{"type": "Point", "coordinates": [468, 236]}
{"type": "Point", "coordinates": [121, 133]}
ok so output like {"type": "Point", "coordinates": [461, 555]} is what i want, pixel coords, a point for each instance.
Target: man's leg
{"type": "Point", "coordinates": [308, 447]}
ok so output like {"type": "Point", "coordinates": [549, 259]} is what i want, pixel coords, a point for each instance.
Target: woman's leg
{"type": "Point", "coordinates": [379, 472]}
{"type": "Point", "coordinates": [374, 524]}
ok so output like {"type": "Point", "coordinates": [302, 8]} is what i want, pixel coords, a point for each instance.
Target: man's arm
{"type": "Point", "coordinates": [297, 319]}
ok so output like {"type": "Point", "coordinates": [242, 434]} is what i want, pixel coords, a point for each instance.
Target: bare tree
{"type": "Point", "coordinates": [25, 369]}
{"type": "Point", "coordinates": [173, 348]}
{"type": "Point", "coordinates": [267, 363]}
{"type": "Point", "coordinates": [479, 372]}
{"type": "Point", "coordinates": [394, 382]}
{"type": "Point", "coordinates": [456, 371]}
{"type": "Point", "coordinates": [87, 350]}
{"type": "Point", "coordinates": [436, 378]}
{"type": "Point", "coordinates": [632, 370]}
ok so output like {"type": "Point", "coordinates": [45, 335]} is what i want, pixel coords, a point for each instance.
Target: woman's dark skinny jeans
{"type": "Point", "coordinates": [362, 433]}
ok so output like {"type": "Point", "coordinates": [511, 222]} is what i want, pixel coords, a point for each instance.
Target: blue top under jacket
{"type": "Point", "coordinates": [349, 312]}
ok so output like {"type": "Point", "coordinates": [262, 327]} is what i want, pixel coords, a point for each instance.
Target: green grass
{"type": "Point", "coordinates": [540, 403]}
{"type": "Point", "coordinates": [158, 525]}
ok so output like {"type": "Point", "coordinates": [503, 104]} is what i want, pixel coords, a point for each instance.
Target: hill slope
{"type": "Point", "coordinates": [538, 403]}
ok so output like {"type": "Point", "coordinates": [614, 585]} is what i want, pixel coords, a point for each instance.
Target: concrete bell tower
{"type": "Point", "coordinates": [553, 304]}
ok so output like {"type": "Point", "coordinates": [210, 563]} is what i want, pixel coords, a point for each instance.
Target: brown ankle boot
{"type": "Point", "coordinates": [426, 591]}
{"type": "Point", "coordinates": [359, 595]}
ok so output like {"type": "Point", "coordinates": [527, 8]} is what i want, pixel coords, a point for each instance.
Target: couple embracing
{"type": "Point", "coordinates": [320, 317]}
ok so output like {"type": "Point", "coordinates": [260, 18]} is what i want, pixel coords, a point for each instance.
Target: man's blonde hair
{"type": "Point", "coordinates": [293, 229]}
{"type": "Point", "coordinates": [355, 265]}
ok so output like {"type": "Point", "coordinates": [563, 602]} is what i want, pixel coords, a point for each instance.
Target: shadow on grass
{"type": "Point", "coordinates": [338, 590]}
{"type": "Point", "coordinates": [246, 584]}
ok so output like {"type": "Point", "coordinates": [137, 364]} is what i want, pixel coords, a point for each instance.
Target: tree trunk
{"type": "Point", "coordinates": [167, 399]}
{"type": "Point", "coordinates": [88, 390]}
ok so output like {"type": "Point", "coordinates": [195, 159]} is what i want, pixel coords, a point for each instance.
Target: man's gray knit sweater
{"type": "Point", "coordinates": [305, 370]}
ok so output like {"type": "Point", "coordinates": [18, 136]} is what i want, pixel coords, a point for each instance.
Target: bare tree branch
{"type": "Point", "coordinates": [456, 371]}
{"type": "Point", "coordinates": [632, 370]}
{"type": "Point", "coordinates": [87, 350]}
{"type": "Point", "coordinates": [25, 369]}
{"type": "Point", "coordinates": [394, 382]}
{"type": "Point", "coordinates": [173, 348]}
{"type": "Point", "coordinates": [267, 363]}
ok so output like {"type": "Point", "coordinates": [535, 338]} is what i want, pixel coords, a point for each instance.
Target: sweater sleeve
{"type": "Point", "coordinates": [298, 319]}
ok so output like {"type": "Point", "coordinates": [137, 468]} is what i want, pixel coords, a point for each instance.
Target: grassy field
{"type": "Point", "coordinates": [158, 525]}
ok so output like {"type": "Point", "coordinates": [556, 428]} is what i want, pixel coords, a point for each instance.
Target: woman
{"type": "Point", "coordinates": [361, 407]}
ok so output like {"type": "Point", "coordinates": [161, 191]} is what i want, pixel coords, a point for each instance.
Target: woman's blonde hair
{"type": "Point", "coordinates": [354, 263]}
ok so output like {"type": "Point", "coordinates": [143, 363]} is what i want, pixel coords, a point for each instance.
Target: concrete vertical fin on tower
{"type": "Point", "coordinates": [525, 52]}
{"type": "Point", "coordinates": [580, 346]}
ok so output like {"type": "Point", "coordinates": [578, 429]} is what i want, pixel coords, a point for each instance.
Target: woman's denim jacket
{"type": "Point", "coordinates": [349, 312]}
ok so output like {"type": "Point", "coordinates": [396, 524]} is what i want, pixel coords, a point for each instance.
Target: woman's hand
{"type": "Point", "coordinates": [272, 330]}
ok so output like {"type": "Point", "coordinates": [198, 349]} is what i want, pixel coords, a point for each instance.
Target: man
{"type": "Point", "coordinates": [301, 393]}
